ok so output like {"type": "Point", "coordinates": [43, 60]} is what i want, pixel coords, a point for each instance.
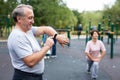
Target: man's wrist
{"type": "Point", "coordinates": [47, 46]}
{"type": "Point", "coordinates": [54, 37]}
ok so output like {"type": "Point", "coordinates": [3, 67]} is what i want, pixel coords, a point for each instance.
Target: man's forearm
{"type": "Point", "coordinates": [46, 30]}
{"type": "Point", "coordinates": [34, 58]}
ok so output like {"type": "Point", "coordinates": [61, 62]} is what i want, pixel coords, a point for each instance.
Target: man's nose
{"type": "Point", "coordinates": [32, 21]}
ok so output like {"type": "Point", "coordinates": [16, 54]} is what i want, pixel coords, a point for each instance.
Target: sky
{"type": "Point", "coordinates": [88, 5]}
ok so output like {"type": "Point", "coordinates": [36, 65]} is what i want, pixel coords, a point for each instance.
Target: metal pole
{"type": "Point", "coordinates": [8, 25]}
{"type": "Point", "coordinates": [109, 23]}
{"type": "Point", "coordinates": [89, 28]}
{"type": "Point", "coordinates": [102, 28]}
{"type": "Point", "coordinates": [99, 29]}
{"type": "Point", "coordinates": [112, 40]}
{"type": "Point", "coordinates": [68, 35]}
{"type": "Point", "coordinates": [117, 23]}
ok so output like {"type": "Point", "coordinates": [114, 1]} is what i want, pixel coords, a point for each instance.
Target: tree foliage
{"type": "Point", "coordinates": [93, 18]}
{"type": "Point", "coordinates": [48, 12]}
{"type": "Point", "coordinates": [53, 13]}
{"type": "Point", "coordinates": [112, 13]}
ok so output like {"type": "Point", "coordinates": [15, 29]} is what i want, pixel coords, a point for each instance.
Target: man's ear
{"type": "Point", "coordinates": [18, 18]}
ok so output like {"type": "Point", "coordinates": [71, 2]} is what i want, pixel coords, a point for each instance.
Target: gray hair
{"type": "Point", "coordinates": [19, 11]}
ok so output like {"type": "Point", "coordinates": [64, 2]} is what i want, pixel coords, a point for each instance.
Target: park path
{"type": "Point", "coordinates": [70, 63]}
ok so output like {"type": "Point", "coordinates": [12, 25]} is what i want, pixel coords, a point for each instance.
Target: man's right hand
{"type": "Point", "coordinates": [49, 42]}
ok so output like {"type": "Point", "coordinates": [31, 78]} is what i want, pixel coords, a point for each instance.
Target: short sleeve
{"type": "Point", "coordinates": [102, 46]}
{"type": "Point", "coordinates": [22, 47]}
{"type": "Point", "coordinates": [34, 28]}
{"type": "Point", "coordinates": [87, 49]}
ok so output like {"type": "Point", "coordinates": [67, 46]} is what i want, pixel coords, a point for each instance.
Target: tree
{"type": "Point", "coordinates": [112, 13]}
{"type": "Point", "coordinates": [94, 17]}
{"type": "Point", "coordinates": [53, 12]}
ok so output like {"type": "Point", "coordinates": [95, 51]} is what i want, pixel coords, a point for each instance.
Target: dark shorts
{"type": "Point", "coordinates": [20, 75]}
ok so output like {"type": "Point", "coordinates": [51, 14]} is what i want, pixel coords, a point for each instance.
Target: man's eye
{"type": "Point", "coordinates": [30, 18]}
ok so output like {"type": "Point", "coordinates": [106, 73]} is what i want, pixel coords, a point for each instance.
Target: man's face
{"type": "Point", "coordinates": [27, 20]}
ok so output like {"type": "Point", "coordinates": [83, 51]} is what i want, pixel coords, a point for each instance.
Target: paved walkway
{"type": "Point", "coordinates": [70, 63]}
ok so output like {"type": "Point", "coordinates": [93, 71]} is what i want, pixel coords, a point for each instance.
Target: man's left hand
{"type": "Point", "coordinates": [63, 40]}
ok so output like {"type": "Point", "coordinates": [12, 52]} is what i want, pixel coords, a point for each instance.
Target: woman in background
{"type": "Point", "coordinates": [95, 51]}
